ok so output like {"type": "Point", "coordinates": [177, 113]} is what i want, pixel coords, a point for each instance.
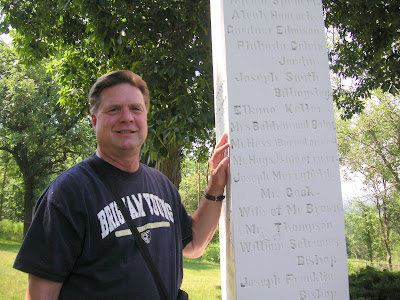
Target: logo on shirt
{"type": "Point", "coordinates": [146, 236]}
{"type": "Point", "coordinates": [110, 217]}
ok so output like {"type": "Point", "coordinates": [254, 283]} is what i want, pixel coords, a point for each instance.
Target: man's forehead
{"type": "Point", "coordinates": [117, 94]}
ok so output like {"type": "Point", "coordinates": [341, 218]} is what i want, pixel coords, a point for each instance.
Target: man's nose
{"type": "Point", "coordinates": [127, 115]}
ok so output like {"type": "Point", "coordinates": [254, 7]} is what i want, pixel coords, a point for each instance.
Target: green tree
{"type": "Point", "coordinates": [167, 42]}
{"type": "Point", "coordinates": [362, 232]}
{"type": "Point", "coordinates": [370, 145]}
{"type": "Point", "coordinates": [12, 196]}
{"type": "Point", "coordinates": [39, 135]}
{"type": "Point", "coordinates": [366, 47]}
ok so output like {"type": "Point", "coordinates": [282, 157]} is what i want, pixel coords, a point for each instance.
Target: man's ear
{"type": "Point", "coordinates": [94, 121]}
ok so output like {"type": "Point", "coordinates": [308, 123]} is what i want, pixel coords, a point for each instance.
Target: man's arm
{"type": "Point", "coordinates": [205, 218]}
{"type": "Point", "coordinates": [42, 289]}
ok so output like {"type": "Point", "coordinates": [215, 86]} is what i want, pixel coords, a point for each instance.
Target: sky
{"type": "Point", "coordinates": [353, 188]}
{"type": "Point", "coordinates": [6, 38]}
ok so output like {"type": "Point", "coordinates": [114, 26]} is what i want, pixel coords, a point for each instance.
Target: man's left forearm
{"type": "Point", "coordinates": [204, 223]}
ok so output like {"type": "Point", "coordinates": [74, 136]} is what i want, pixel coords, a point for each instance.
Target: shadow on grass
{"type": "Point", "coordinates": [196, 264]}
{"type": "Point", "coordinates": [9, 246]}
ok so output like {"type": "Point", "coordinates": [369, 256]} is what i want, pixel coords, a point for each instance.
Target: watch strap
{"type": "Point", "coordinates": [214, 198]}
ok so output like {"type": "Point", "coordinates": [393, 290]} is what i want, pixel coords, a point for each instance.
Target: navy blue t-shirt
{"type": "Point", "coordinates": [79, 237]}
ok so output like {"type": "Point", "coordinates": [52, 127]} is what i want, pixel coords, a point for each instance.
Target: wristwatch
{"type": "Point", "coordinates": [214, 198]}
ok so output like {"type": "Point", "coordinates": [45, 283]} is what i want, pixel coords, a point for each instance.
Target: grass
{"type": "Point", "coordinates": [12, 282]}
{"type": "Point", "coordinates": [202, 280]}
{"type": "Point", "coordinates": [12, 231]}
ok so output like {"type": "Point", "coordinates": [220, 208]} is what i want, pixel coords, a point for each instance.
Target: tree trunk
{"type": "Point", "coordinates": [388, 164]}
{"type": "Point", "coordinates": [389, 257]}
{"type": "Point", "coordinates": [3, 185]}
{"type": "Point", "coordinates": [28, 202]}
{"type": "Point", "coordinates": [387, 241]}
{"type": "Point", "coordinates": [171, 166]}
{"type": "Point", "coordinates": [384, 224]}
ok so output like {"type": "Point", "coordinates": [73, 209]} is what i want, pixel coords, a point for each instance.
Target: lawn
{"type": "Point", "coordinates": [202, 279]}
{"type": "Point", "coordinates": [12, 282]}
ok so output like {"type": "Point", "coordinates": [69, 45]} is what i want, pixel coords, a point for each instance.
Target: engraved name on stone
{"type": "Point", "coordinates": [276, 280]}
{"type": "Point", "coordinates": [278, 3]}
{"type": "Point", "coordinates": [261, 176]}
{"type": "Point", "coordinates": [288, 210]}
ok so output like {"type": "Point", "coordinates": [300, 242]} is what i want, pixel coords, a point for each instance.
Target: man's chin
{"type": "Point", "coordinates": [130, 147]}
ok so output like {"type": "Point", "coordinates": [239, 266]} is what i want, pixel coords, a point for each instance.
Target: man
{"type": "Point", "coordinates": [79, 246]}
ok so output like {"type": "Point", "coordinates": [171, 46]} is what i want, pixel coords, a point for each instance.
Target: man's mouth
{"type": "Point", "coordinates": [126, 131]}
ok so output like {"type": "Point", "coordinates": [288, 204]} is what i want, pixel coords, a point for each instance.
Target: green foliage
{"type": "Point", "coordinates": [39, 136]}
{"type": "Point", "coordinates": [366, 44]}
{"type": "Point", "coordinates": [351, 267]}
{"type": "Point", "coordinates": [11, 191]}
{"type": "Point", "coordinates": [370, 283]}
{"type": "Point", "coordinates": [363, 233]}
{"type": "Point", "coordinates": [395, 208]}
{"type": "Point", "coordinates": [193, 184]}
{"type": "Point", "coordinates": [212, 253]}
{"type": "Point", "coordinates": [370, 143]}
{"type": "Point", "coordinates": [167, 42]}
{"type": "Point", "coordinates": [12, 231]}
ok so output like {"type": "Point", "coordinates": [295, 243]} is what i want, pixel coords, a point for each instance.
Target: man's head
{"type": "Point", "coordinates": [112, 79]}
{"type": "Point", "coordinates": [119, 104]}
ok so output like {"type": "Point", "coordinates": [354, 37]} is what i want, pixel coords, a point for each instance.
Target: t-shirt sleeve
{"type": "Point", "coordinates": [54, 239]}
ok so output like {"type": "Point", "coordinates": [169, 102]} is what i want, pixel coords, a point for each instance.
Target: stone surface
{"type": "Point", "coordinates": [282, 228]}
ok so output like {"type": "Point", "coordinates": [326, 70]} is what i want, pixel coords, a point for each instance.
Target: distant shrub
{"type": "Point", "coordinates": [13, 231]}
{"type": "Point", "coordinates": [372, 284]}
{"type": "Point", "coordinates": [352, 268]}
{"type": "Point", "coordinates": [212, 253]}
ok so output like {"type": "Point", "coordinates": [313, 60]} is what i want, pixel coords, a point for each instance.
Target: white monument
{"type": "Point", "coordinates": [282, 228]}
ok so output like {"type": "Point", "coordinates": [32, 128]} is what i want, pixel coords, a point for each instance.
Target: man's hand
{"type": "Point", "coordinates": [219, 164]}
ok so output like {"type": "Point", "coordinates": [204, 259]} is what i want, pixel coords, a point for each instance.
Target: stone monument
{"type": "Point", "coordinates": [282, 227]}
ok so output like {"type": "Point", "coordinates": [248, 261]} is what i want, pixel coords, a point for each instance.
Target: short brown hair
{"type": "Point", "coordinates": [112, 79]}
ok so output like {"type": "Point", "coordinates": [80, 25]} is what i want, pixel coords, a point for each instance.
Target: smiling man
{"type": "Point", "coordinates": [120, 123]}
{"type": "Point", "coordinates": [79, 245]}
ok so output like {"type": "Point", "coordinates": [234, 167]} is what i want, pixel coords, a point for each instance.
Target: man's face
{"type": "Point", "coordinates": [120, 122]}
